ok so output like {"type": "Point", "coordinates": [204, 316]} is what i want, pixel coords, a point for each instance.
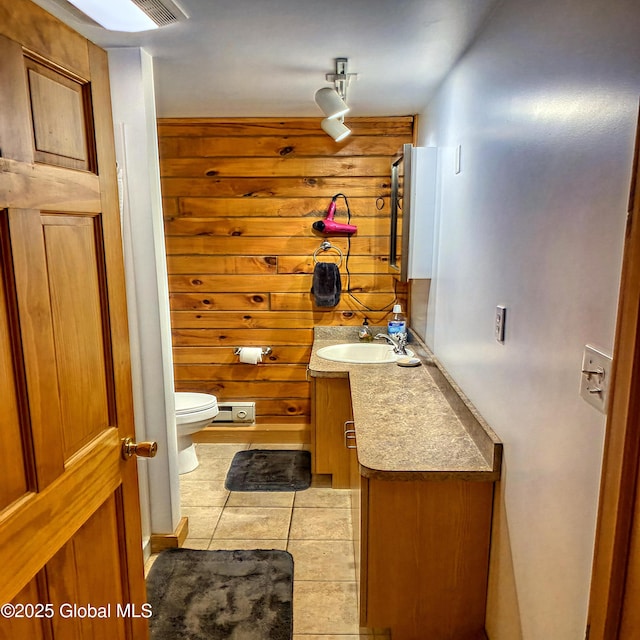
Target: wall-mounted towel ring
{"type": "Point", "coordinates": [326, 246]}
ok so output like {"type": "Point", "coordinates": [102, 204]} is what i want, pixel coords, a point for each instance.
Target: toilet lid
{"type": "Point", "coordinates": [192, 402]}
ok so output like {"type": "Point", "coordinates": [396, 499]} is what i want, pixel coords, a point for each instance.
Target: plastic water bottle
{"type": "Point", "coordinates": [398, 323]}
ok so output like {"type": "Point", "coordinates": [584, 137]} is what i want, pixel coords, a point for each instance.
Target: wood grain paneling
{"type": "Point", "coordinates": [220, 301]}
{"type": "Point", "coordinates": [66, 585]}
{"type": "Point", "coordinates": [64, 314]}
{"type": "Point", "coordinates": [74, 281]}
{"type": "Point", "coordinates": [287, 245]}
{"type": "Point", "coordinates": [266, 207]}
{"type": "Point", "coordinates": [357, 264]}
{"type": "Point", "coordinates": [425, 550]}
{"type": "Point", "coordinates": [258, 320]}
{"type": "Point", "coordinates": [275, 167]}
{"type": "Point", "coordinates": [267, 187]}
{"type": "Point", "coordinates": [62, 134]}
{"type": "Point", "coordinates": [16, 139]}
{"type": "Point", "coordinates": [331, 408]}
{"type": "Point", "coordinates": [241, 337]}
{"type": "Point", "coordinates": [26, 627]}
{"type": "Point", "coordinates": [47, 37]}
{"type": "Point", "coordinates": [277, 146]}
{"type": "Point", "coordinates": [27, 186]}
{"type": "Point", "coordinates": [297, 282]}
{"type": "Point", "coordinates": [240, 196]}
{"type": "Point", "coordinates": [261, 227]}
{"type": "Point", "coordinates": [14, 476]}
{"type": "Point", "coordinates": [295, 302]}
{"type": "Point", "coordinates": [234, 372]}
{"type": "Point", "coordinates": [292, 127]}
{"type": "Point", "coordinates": [220, 355]}
{"type": "Point", "coordinates": [222, 264]}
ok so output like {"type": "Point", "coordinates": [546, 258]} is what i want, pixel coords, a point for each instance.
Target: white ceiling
{"type": "Point", "coordinates": [268, 57]}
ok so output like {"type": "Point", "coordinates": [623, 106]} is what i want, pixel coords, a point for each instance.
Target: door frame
{"type": "Point", "coordinates": [621, 463]}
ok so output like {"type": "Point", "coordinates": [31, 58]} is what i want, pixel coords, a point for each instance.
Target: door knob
{"type": "Point", "coordinates": [141, 449]}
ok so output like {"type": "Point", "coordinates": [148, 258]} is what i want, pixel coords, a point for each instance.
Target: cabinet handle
{"type": "Point", "coordinates": [349, 434]}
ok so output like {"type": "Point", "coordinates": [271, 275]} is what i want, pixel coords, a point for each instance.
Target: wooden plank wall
{"type": "Point", "coordinates": [240, 196]}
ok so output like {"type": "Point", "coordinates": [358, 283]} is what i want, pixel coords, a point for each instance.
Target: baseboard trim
{"type": "Point", "coordinates": [161, 541]}
{"type": "Point", "coordinates": [265, 433]}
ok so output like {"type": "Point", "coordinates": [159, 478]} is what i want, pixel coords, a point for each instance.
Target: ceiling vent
{"type": "Point", "coordinates": [162, 12]}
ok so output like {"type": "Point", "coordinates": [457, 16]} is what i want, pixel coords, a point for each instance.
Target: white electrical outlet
{"type": "Point", "coordinates": [594, 378]}
{"type": "Point", "coordinates": [500, 320]}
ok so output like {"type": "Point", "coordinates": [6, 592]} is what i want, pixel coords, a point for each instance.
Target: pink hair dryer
{"type": "Point", "coordinates": [328, 225]}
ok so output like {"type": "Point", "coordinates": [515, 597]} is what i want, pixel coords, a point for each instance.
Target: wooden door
{"type": "Point", "coordinates": [614, 608]}
{"type": "Point", "coordinates": [70, 542]}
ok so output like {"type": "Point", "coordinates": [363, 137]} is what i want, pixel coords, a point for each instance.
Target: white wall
{"type": "Point", "coordinates": [544, 106]}
{"type": "Point", "coordinates": [134, 115]}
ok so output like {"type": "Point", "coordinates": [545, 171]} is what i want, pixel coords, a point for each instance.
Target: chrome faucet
{"type": "Point", "coordinates": [399, 344]}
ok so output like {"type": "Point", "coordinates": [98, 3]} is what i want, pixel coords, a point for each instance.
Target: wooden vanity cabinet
{"type": "Point", "coordinates": [425, 557]}
{"type": "Point", "coordinates": [421, 544]}
{"type": "Point", "coordinates": [330, 409]}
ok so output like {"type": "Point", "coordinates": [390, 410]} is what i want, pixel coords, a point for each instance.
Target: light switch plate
{"type": "Point", "coordinates": [594, 378]}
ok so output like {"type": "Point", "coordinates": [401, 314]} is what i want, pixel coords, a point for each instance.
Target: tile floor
{"type": "Point", "coordinates": [313, 525]}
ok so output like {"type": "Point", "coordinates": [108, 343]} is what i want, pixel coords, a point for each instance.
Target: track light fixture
{"type": "Point", "coordinates": [336, 128]}
{"type": "Point", "coordinates": [333, 101]}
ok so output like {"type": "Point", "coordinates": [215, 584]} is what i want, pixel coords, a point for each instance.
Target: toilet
{"type": "Point", "coordinates": [194, 411]}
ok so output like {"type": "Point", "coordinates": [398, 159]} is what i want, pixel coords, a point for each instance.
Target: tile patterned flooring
{"type": "Point", "coordinates": [313, 525]}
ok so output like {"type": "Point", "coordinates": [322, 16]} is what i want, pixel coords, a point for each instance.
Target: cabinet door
{"type": "Point", "coordinates": [331, 408]}
{"type": "Point", "coordinates": [425, 557]}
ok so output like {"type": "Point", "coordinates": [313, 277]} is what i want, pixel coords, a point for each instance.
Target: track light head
{"type": "Point", "coordinates": [336, 128]}
{"type": "Point", "coordinates": [331, 103]}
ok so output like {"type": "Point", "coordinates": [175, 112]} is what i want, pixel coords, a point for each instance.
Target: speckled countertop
{"type": "Point", "coordinates": [411, 422]}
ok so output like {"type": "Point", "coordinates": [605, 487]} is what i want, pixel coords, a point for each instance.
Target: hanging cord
{"type": "Point", "coordinates": [346, 266]}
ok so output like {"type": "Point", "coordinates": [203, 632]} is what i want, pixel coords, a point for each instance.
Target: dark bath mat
{"type": "Point", "coordinates": [221, 595]}
{"type": "Point", "coordinates": [269, 470]}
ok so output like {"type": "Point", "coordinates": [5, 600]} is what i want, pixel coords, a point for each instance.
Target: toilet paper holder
{"type": "Point", "coordinates": [265, 351]}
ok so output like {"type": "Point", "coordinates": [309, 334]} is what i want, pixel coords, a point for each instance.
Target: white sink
{"type": "Point", "coordinates": [360, 353]}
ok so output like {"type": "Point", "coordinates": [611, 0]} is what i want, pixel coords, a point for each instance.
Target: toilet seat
{"type": "Point", "coordinates": [187, 403]}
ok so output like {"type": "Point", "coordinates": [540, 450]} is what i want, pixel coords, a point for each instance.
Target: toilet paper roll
{"type": "Point", "coordinates": [250, 355]}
